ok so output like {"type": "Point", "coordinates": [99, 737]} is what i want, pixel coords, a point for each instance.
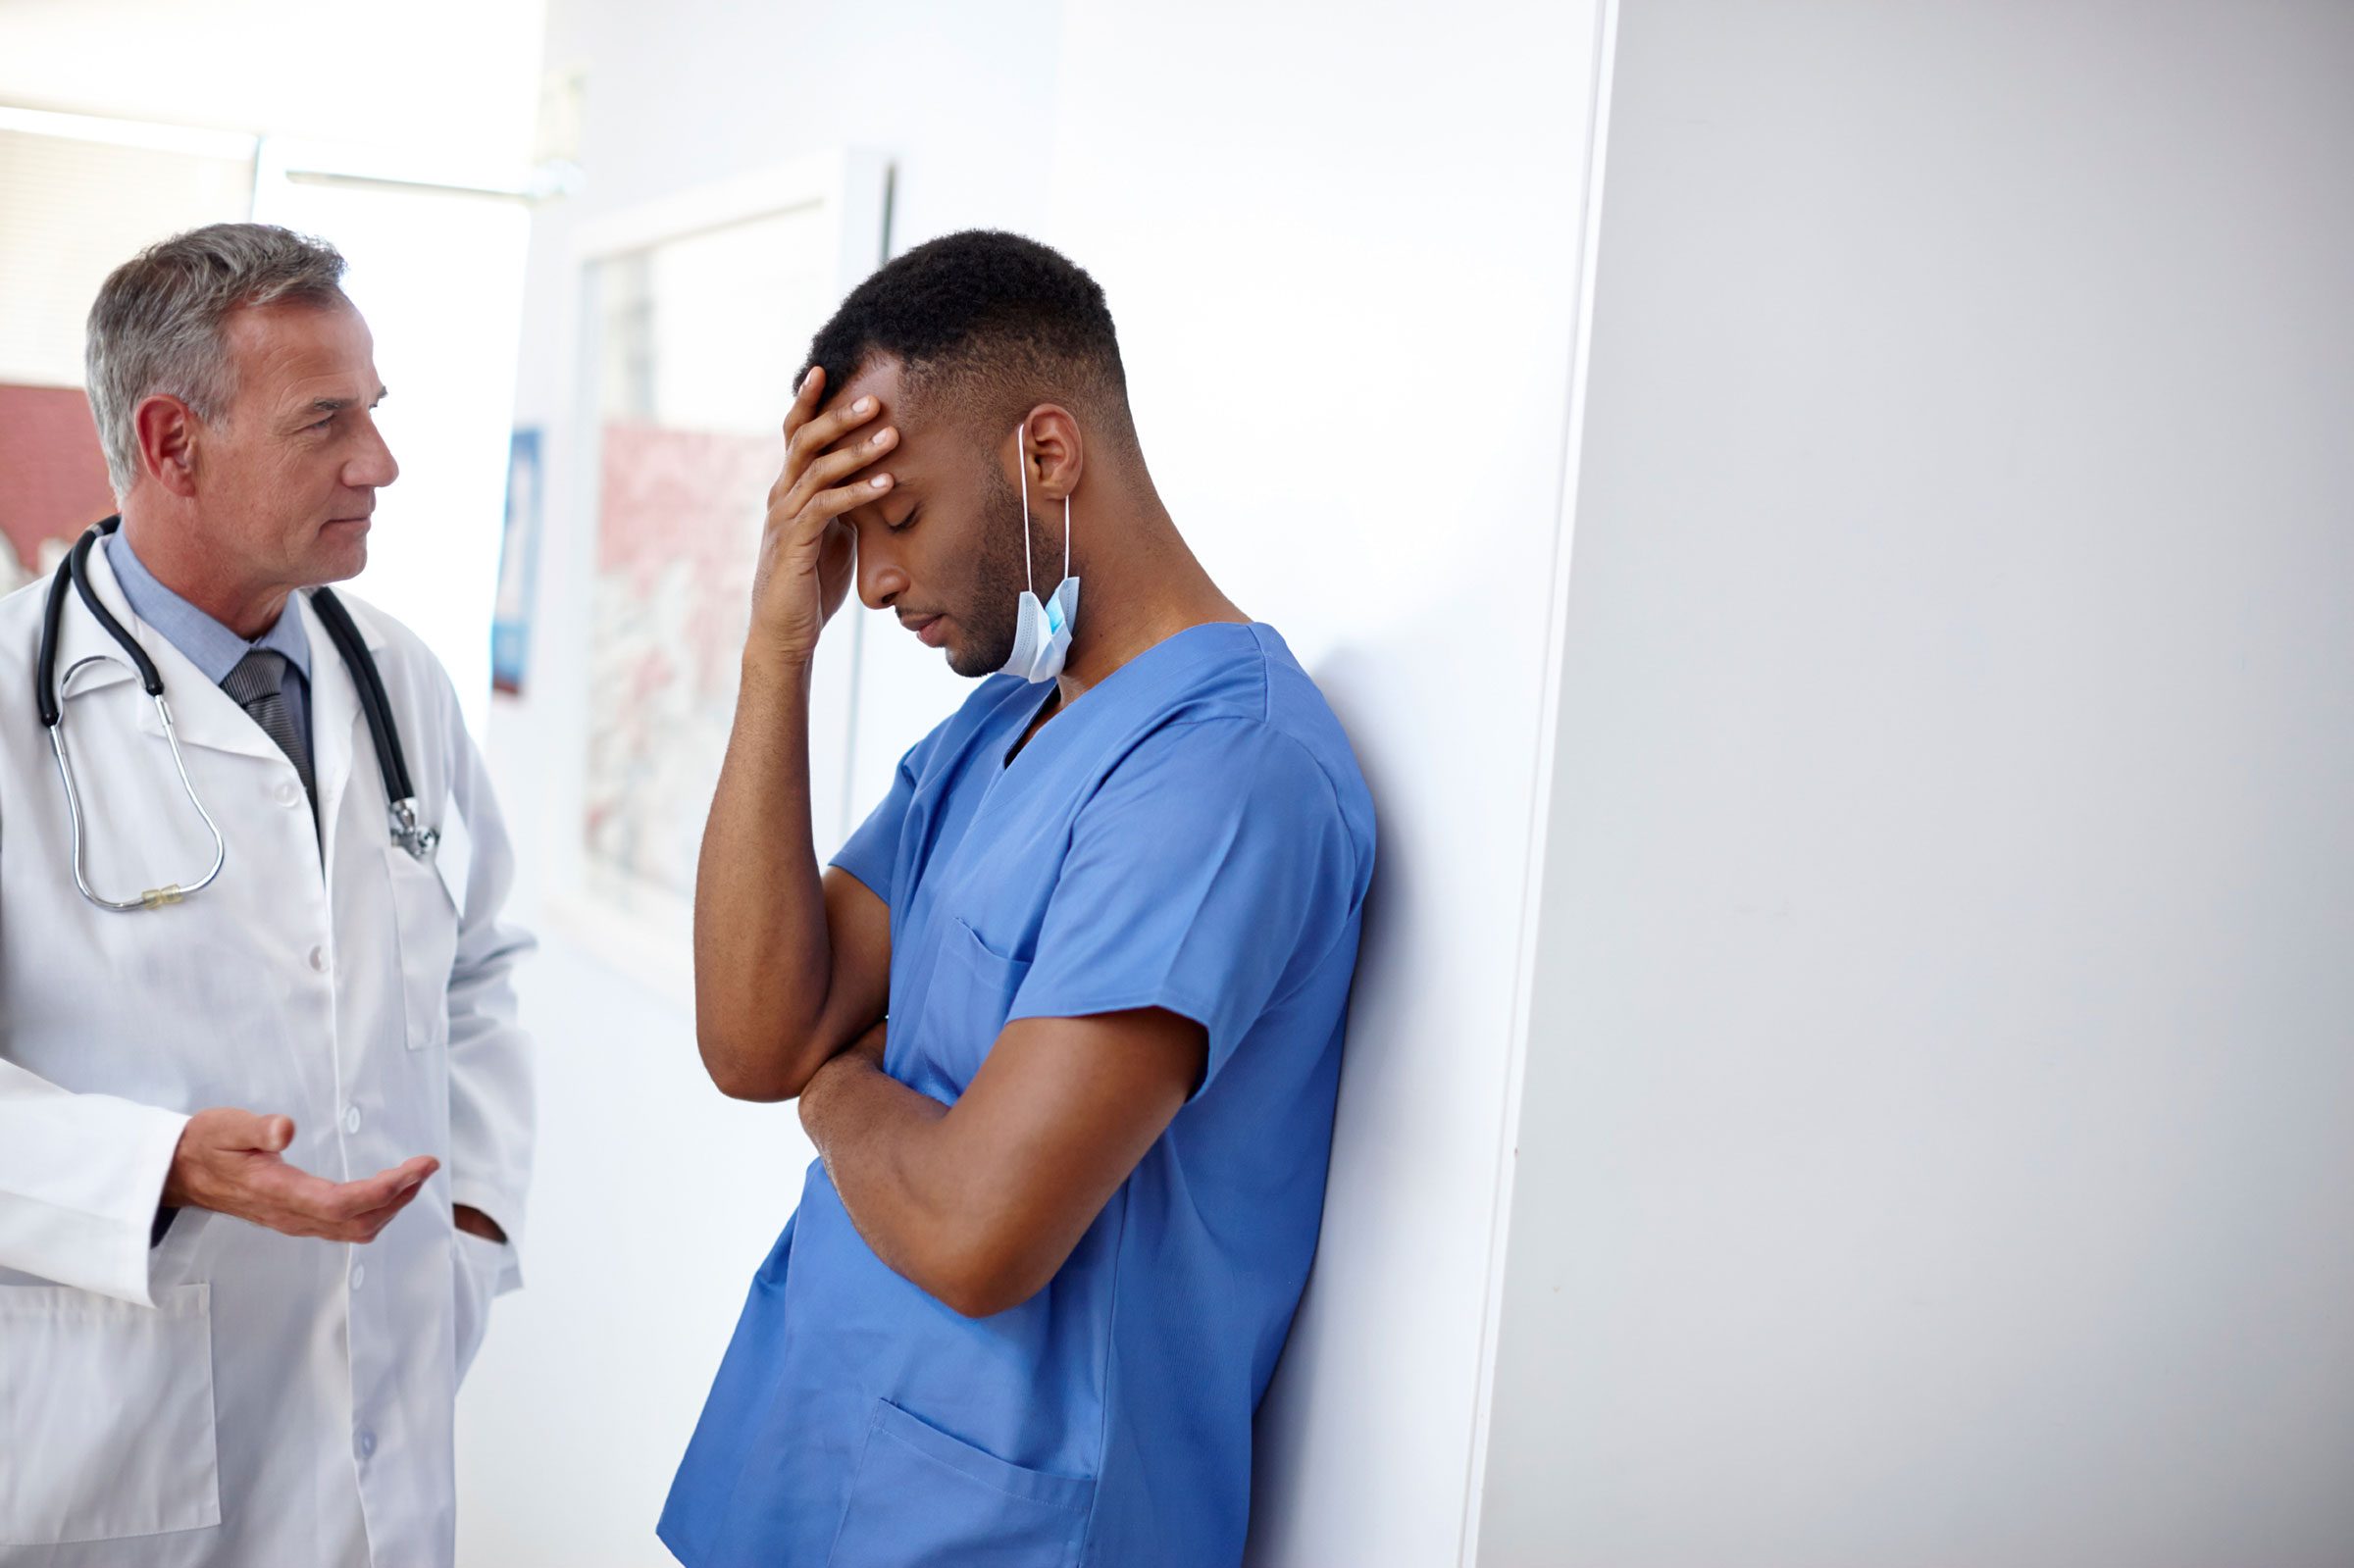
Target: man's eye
{"type": "Point", "coordinates": [905, 523]}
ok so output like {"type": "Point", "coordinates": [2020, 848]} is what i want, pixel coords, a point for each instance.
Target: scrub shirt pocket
{"type": "Point", "coordinates": [972, 990]}
{"type": "Point", "coordinates": [923, 1499]}
{"type": "Point", "coordinates": [427, 925]}
{"type": "Point", "coordinates": [106, 1415]}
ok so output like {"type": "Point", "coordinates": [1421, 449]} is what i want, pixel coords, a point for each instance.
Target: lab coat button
{"type": "Point", "coordinates": [287, 794]}
{"type": "Point", "coordinates": [359, 1275]}
{"type": "Point", "coordinates": [319, 959]}
{"type": "Point", "coordinates": [351, 1120]}
{"type": "Point", "coordinates": [367, 1445]}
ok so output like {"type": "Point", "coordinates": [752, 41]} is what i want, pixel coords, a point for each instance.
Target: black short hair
{"type": "Point", "coordinates": [993, 324]}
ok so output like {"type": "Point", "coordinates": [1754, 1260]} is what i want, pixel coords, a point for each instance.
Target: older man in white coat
{"type": "Point", "coordinates": [264, 1144]}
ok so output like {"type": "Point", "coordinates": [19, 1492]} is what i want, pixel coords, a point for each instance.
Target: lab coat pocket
{"type": "Point", "coordinates": [427, 923]}
{"type": "Point", "coordinates": [106, 1415]}
{"type": "Point", "coordinates": [923, 1499]}
{"type": "Point", "coordinates": [478, 1262]}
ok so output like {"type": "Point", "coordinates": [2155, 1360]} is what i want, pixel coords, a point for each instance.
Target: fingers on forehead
{"type": "Point", "coordinates": [840, 427]}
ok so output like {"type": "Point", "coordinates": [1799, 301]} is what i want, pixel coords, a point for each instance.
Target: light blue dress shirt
{"type": "Point", "coordinates": [209, 645]}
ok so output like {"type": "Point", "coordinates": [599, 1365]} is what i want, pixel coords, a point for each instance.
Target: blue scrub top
{"type": "Point", "coordinates": [1193, 834]}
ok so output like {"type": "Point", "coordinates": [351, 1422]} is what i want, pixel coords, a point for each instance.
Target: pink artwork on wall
{"type": "Point", "coordinates": [52, 476]}
{"type": "Point", "coordinates": [678, 530]}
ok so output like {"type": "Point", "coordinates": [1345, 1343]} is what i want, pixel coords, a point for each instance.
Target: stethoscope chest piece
{"type": "Point", "coordinates": [412, 835]}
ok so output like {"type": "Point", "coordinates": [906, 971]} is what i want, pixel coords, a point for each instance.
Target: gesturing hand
{"type": "Point", "coordinates": [230, 1161]}
{"type": "Point", "coordinates": [808, 547]}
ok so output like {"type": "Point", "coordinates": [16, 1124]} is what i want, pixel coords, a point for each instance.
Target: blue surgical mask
{"type": "Point", "coordinates": [1042, 633]}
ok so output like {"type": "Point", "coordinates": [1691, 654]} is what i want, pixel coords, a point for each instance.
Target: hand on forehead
{"type": "Point", "coordinates": [877, 382]}
{"type": "Point", "coordinates": [878, 387]}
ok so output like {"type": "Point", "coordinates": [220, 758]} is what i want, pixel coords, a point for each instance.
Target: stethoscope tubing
{"type": "Point", "coordinates": [376, 707]}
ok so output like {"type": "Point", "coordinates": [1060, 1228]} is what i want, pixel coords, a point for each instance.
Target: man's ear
{"type": "Point", "coordinates": [165, 431]}
{"type": "Point", "coordinates": [1055, 451]}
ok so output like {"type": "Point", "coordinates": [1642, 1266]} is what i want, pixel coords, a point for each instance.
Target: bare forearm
{"type": "Point", "coordinates": [767, 925]}
{"type": "Point", "coordinates": [981, 1204]}
{"type": "Point", "coordinates": [762, 957]}
{"type": "Point", "coordinates": [887, 1149]}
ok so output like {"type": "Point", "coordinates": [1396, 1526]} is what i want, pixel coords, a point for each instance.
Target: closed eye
{"type": "Point", "coordinates": [905, 523]}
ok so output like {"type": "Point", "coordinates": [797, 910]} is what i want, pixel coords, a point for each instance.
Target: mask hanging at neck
{"type": "Point", "coordinates": [1042, 632]}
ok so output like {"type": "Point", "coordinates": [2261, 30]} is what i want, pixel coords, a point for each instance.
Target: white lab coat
{"type": "Point", "coordinates": [235, 1396]}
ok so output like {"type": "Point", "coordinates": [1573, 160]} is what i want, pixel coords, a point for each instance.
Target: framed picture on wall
{"type": "Point", "coordinates": [696, 315]}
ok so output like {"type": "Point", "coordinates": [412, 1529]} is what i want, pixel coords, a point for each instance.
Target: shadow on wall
{"type": "Point", "coordinates": [1350, 682]}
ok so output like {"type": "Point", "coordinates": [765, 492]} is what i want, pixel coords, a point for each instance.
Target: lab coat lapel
{"type": "Point", "coordinates": [336, 720]}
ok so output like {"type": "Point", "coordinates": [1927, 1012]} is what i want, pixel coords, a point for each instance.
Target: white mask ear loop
{"type": "Point", "coordinates": [1021, 461]}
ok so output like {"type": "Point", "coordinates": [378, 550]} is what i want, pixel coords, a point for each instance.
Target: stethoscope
{"type": "Point", "coordinates": [407, 831]}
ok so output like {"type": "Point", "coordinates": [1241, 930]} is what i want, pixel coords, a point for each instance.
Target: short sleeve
{"type": "Point", "coordinates": [1211, 871]}
{"type": "Point", "coordinates": [872, 852]}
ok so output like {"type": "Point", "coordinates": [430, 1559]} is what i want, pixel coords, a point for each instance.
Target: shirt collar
{"type": "Point", "coordinates": [210, 646]}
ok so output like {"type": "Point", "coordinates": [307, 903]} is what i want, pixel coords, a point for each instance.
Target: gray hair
{"type": "Point", "coordinates": [156, 326]}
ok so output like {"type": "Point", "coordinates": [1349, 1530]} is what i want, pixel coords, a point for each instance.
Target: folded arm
{"type": "Point", "coordinates": [982, 1202]}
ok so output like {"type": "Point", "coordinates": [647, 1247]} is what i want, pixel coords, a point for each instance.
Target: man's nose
{"type": "Point", "coordinates": [373, 467]}
{"type": "Point", "coordinates": [880, 580]}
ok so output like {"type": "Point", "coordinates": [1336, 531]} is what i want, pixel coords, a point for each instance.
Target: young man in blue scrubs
{"type": "Point", "coordinates": [1068, 1192]}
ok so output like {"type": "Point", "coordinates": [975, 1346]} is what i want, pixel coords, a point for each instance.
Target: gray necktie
{"type": "Point", "coordinates": [259, 684]}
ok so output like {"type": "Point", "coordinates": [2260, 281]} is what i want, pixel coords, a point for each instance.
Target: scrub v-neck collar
{"type": "Point", "coordinates": [1038, 719]}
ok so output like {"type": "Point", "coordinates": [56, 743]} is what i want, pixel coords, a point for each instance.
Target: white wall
{"type": "Point", "coordinates": [1935, 1140]}
{"type": "Point", "coordinates": [1341, 243]}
